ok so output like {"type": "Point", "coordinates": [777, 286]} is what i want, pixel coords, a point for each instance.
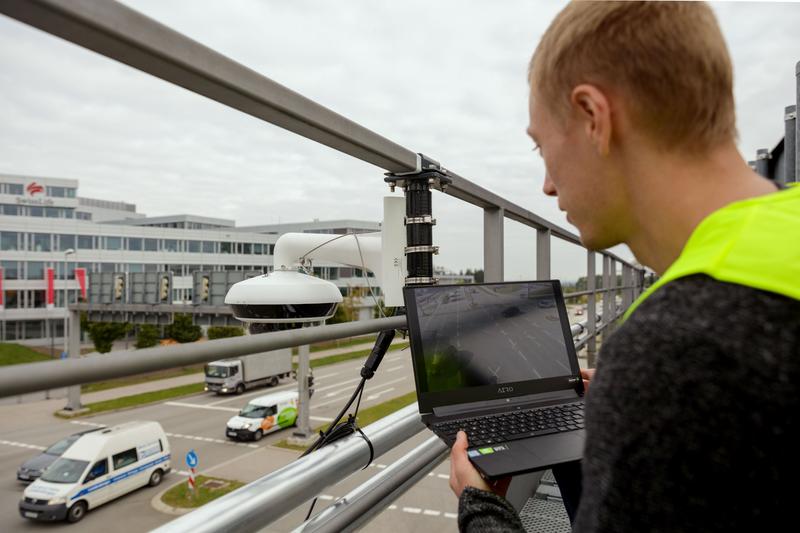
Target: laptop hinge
{"type": "Point", "coordinates": [474, 408]}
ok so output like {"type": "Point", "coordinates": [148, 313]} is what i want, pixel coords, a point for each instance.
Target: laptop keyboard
{"type": "Point", "coordinates": [503, 427]}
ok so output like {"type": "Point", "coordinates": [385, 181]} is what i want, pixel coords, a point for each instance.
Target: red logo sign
{"type": "Point", "coordinates": [34, 188]}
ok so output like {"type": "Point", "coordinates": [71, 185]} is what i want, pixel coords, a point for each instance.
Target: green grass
{"type": "Point", "coordinates": [181, 496]}
{"type": "Point", "coordinates": [365, 416]}
{"type": "Point", "coordinates": [141, 399]}
{"type": "Point", "coordinates": [331, 359]}
{"type": "Point", "coordinates": [15, 354]}
{"type": "Point", "coordinates": [143, 378]}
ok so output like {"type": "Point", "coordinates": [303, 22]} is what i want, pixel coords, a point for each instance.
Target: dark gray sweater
{"type": "Point", "coordinates": [692, 418]}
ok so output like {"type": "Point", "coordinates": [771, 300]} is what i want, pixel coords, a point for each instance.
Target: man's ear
{"type": "Point", "coordinates": [592, 109]}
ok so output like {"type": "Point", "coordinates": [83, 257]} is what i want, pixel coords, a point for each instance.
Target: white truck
{"type": "Point", "coordinates": [248, 371]}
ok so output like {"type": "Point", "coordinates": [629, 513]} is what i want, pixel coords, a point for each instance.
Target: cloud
{"type": "Point", "coordinates": [444, 78]}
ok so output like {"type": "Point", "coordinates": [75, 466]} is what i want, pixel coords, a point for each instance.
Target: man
{"type": "Point", "coordinates": [692, 414]}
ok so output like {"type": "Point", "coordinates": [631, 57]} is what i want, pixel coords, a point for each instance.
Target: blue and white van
{"type": "Point", "coordinates": [97, 468]}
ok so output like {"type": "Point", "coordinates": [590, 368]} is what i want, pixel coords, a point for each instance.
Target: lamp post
{"type": "Point", "coordinates": [68, 252]}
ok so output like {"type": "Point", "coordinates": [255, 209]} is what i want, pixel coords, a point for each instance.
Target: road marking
{"type": "Point", "coordinates": [450, 515]}
{"type": "Point", "coordinates": [22, 445]}
{"type": "Point", "coordinates": [412, 510]}
{"type": "Point", "coordinates": [320, 418]}
{"type": "Point", "coordinates": [430, 512]}
{"type": "Point", "coordinates": [394, 368]}
{"type": "Point", "coordinates": [326, 497]}
{"type": "Point", "coordinates": [378, 394]}
{"type": "Point", "coordinates": [92, 424]}
{"type": "Point", "coordinates": [338, 384]}
{"type": "Point", "coordinates": [180, 436]}
{"type": "Point", "coordinates": [201, 406]}
{"type": "Point", "coordinates": [279, 387]}
{"type": "Point", "coordinates": [442, 476]}
{"type": "Point", "coordinates": [392, 507]}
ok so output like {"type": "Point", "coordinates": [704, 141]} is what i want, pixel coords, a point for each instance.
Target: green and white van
{"type": "Point", "coordinates": [263, 415]}
{"type": "Point", "coordinates": [96, 468]}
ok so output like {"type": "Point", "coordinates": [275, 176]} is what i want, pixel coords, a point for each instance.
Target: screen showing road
{"type": "Point", "coordinates": [490, 334]}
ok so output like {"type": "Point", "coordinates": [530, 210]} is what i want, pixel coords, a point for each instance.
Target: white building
{"type": "Point", "coordinates": [41, 218]}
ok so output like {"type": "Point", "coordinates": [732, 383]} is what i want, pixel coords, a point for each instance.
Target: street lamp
{"type": "Point", "coordinates": [68, 252]}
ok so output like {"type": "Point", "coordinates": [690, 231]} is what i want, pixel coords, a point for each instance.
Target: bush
{"type": "Point", "coordinates": [224, 332]}
{"type": "Point", "coordinates": [147, 336]}
{"type": "Point", "coordinates": [103, 334]}
{"type": "Point", "coordinates": [182, 329]}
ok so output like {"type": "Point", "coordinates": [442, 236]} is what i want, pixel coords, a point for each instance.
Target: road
{"type": "Point", "coordinates": [198, 423]}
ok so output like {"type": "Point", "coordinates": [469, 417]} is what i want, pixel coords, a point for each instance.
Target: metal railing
{"type": "Point", "coordinates": [120, 33]}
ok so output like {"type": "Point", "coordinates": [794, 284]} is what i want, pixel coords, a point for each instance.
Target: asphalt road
{"type": "Point", "coordinates": [198, 423]}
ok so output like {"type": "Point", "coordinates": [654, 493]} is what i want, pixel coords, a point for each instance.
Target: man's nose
{"type": "Point", "coordinates": [548, 188]}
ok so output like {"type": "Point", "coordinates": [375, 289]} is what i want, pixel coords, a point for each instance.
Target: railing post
{"type": "Point", "coordinates": [493, 220]}
{"type": "Point", "coordinates": [74, 351]}
{"type": "Point", "coordinates": [591, 310]}
{"type": "Point", "coordinates": [627, 282]}
{"type": "Point", "coordinates": [606, 295]}
{"type": "Point", "coordinates": [303, 430]}
{"type": "Point", "coordinates": [543, 254]}
{"type": "Point", "coordinates": [790, 145]}
{"type": "Point", "coordinates": [762, 162]}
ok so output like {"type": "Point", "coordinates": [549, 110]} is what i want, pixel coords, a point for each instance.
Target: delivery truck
{"type": "Point", "coordinates": [241, 373]}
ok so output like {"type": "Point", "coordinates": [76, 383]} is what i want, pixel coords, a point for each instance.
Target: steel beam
{"type": "Point", "coordinates": [262, 502]}
{"type": "Point", "coordinates": [790, 144]}
{"type": "Point", "coordinates": [21, 379]}
{"type": "Point", "coordinates": [493, 253]}
{"type": "Point", "coordinates": [362, 504]}
{"type": "Point", "coordinates": [74, 353]}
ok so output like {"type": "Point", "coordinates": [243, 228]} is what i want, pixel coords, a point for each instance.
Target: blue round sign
{"type": "Point", "coordinates": [191, 459]}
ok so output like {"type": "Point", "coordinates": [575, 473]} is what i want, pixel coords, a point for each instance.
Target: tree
{"type": "Point", "coordinates": [147, 336]}
{"type": "Point", "coordinates": [345, 312]}
{"type": "Point", "coordinates": [224, 332]}
{"type": "Point", "coordinates": [103, 334]}
{"type": "Point", "coordinates": [182, 329]}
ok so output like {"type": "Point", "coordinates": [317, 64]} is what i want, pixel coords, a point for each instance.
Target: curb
{"type": "Point", "coordinates": [162, 507]}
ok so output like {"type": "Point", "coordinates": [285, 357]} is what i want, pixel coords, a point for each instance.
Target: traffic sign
{"type": "Point", "coordinates": [191, 459]}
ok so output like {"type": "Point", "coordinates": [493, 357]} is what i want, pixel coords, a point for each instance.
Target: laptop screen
{"type": "Point", "coordinates": [480, 337]}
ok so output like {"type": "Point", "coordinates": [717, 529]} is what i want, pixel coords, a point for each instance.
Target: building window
{"type": "Point", "coordinates": [40, 242]}
{"type": "Point", "coordinates": [208, 247]}
{"type": "Point", "coordinates": [194, 246]}
{"type": "Point", "coordinates": [247, 248]}
{"type": "Point", "coordinates": [9, 240]}
{"type": "Point", "coordinates": [107, 267]}
{"type": "Point", "coordinates": [177, 270]}
{"type": "Point", "coordinates": [12, 299]}
{"type": "Point", "coordinates": [10, 269]}
{"type": "Point", "coordinates": [151, 245]}
{"type": "Point", "coordinates": [225, 248]}
{"type": "Point", "coordinates": [134, 244]}
{"type": "Point", "coordinates": [65, 242]}
{"type": "Point", "coordinates": [135, 267]}
{"type": "Point", "coordinates": [14, 188]}
{"type": "Point", "coordinates": [258, 249]}
{"type": "Point", "coordinates": [85, 242]}
{"type": "Point", "coordinates": [80, 215]}
{"type": "Point", "coordinates": [7, 209]}
{"type": "Point", "coordinates": [170, 245]}
{"type": "Point", "coordinates": [38, 299]}
{"type": "Point", "coordinates": [36, 211]}
{"type": "Point", "coordinates": [152, 268]}
{"type": "Point", "coordinates": [35, 270]}
{"type": "Point", "coordinates": [51, 212]}
{"type": "Point", "coordinates": [113, 243]}
{"type": "Point", "coordinates": [33, 329]}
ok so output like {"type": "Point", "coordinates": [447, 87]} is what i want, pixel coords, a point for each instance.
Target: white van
{"type": "Point", "coordinates": [97, 468]}
{"type": "Point", "coordinates": [263, 415]}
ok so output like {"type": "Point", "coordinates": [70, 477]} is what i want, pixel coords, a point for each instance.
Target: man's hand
{"type": "Point", "coordinates": [587, 375]}
{"type": "Point", "coordinates": [463, 474]}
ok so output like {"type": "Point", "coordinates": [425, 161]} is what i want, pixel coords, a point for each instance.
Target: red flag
{"type": "Point", "coordinates": [80, 275]}
{"type": "Point", "coordinates": [51, 293]}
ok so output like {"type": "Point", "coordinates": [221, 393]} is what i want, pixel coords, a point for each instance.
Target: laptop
{"type": "Point", "coordinates": [498, 361]}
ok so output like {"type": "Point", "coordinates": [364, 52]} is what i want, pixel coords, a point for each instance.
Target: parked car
{"type": "Point", "coordinates": [98, 467]}
{"type": "Point", "coordinates": [33, 467]}
{"type": "Point", "coordinates": [263, 415]}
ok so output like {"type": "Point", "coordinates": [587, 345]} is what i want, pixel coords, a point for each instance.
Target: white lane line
{"type": "Point", "coordinates": [430, 512]}
{"type": "Point", "coordinates": [22, 445]}
{"type": "Point", "coordinates": [326, 497]}
{"type": "Point", "coordinates": [412, 510]}
{"type": "Point", "coordinates": [450, 515]}
{"type": "Point", "coordinates": [267, 390]}
{"type": "Point", "coordinates": [92, 424]}
{"type": "Point", "coordinates": [392, 507]}
{"type": "Point", "coordinates": [394, 368]}
{"type": "Point", "coordinates": [320, 418]}
{"type": "Point", "coordinates": [335, 385]}
{"type": "Point", "coordinates": [201, 406]}
{"type": "Point", "coordinates": [442, 476]}
{"type": "Point", "coordinates": [378, 394]}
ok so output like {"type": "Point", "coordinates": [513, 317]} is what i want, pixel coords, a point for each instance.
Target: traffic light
{"type": "Point", "coordinates": [119, 288]}
{"type": "Point", "coordinates": [164, 289]}
{"type": "Point", "coordinates": [204, 289]}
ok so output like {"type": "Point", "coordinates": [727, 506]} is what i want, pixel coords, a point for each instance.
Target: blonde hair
{"type": "Point", "coordinates": [667, 59]}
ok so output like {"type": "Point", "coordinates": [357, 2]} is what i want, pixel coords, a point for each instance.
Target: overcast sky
{"type": "Point", "coordinates": [445, 78]}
